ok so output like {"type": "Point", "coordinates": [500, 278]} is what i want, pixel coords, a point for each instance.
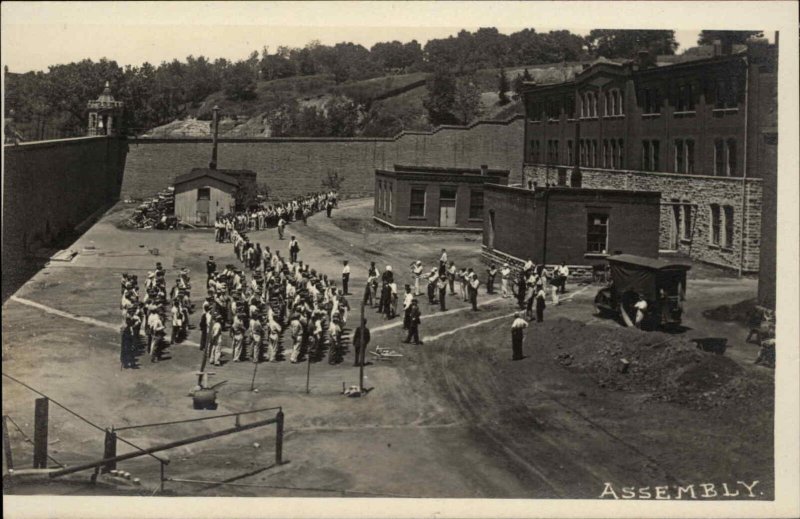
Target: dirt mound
{"type": "Point", "coordinates": [664, 367]}
{"type": "Point", "coordinates": [737, 312]}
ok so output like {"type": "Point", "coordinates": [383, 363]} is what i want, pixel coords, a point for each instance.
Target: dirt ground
{"type": "Point", "coordinates": [452, 418]}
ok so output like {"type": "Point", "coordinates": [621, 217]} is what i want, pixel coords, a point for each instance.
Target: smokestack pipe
{"type": "Point", "coordinates": [215, 124]}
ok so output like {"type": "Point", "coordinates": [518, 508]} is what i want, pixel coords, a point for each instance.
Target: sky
{"type": "Point", "coordinates": [38, 34]}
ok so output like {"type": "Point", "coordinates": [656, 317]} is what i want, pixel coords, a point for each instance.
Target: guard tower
{"type": "Point", "coordinates": [102, 113]}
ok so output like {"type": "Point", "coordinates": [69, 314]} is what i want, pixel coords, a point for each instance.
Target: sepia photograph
{"type": "Point", "coordinates": [400, 259]}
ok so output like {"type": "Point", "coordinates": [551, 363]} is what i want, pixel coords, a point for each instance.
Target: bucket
{"type": "Point", "coordinates": [204, 399]}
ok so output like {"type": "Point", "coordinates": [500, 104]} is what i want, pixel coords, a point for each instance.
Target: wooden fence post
{"type": "Point", "coordinates": [279, 438]}
{"type": "Point", "coordinates": [40, 425]}
{"type": "Point", "coordinates": [7, 445]}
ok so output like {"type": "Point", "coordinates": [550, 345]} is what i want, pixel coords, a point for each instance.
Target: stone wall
{"type": "Point", "coordinates": [50, 187]}
{"type": "Point", "coordinates": [298, 165]}
{"type": "Point", "coordinates": [699, 192]}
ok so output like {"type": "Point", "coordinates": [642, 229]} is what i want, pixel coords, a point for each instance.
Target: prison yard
{"type": "Point", "coordinates": [593, 403]}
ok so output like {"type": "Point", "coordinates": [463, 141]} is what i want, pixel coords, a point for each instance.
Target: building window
{"type": "Point", "coordinates": [621, 151]}
{"type": "Point", "coordinates": [684, 101]}
{"type": "Point", "coordinates": [476, 204]}
{"type": "Point", "coordinates": [570, 154]}
{"type": "Point", "coordinates": [725, 157]}
{"type": "Point", "coordinates": [569, 104]}
{"type": "Point", "coordinates": [689, 156]}
{"type": "Point", "coordinates": [620, 99]}
{"type": "Point", "coordinates": [650, 155]}
{"type": "Point", "coordinates": [416, 208]}
{"type": "Point", "coordinates": [390, 198]}
{"type": "Point", "coordinates": [687, 221]}
{"type": "Point", "coordinates": [731, 157]}
{"type": "Point", "coordinates": [679, 156]}
{"type": "Point", "coordinates": [204, 193]}
{"type": "Point", "coordinates": [716, 224]}
{"type": "Point", "coordinates": [606, 155]}
{"type": "Point", "coordinates": [726, 94]}
{"type": "Point", "coordinates": [728, 215]}
{"type": "Point", "coordinates": [552, 152]}
{"type": "Point", "coordinates": [535, 152]}
{"type": "Point", "coordinates": [597, 233]}
{"type": "Point", "coordinates": [613, 164]}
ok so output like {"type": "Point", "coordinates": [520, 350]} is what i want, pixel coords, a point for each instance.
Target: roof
{"type": "Point", "coordinates": [648, 263]}
{"type": "Point", "coordinates": [539, 191]}
{"type": "Point", "coordinates": [449, 170]}
{"type": "Point", "coordinates": [217, 174]}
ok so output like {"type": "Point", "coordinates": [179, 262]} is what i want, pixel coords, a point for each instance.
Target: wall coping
{"type": "Point", "coordinates": [649, 173]}
{"type": "Point", "coordinates": [281, 140]}
{"type": "Point", "coordinates": [54, 142]}
{"type": "Point", "coordinates": [426, 228]}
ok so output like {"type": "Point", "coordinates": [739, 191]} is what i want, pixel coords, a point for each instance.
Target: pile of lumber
{"type": "Point", "coordinates": [157, 212]}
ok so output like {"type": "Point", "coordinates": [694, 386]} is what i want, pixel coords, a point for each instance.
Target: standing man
{"type": "Point", "coordinates": [451, 278]}
{"type": "Point", "coordinates": [563, 273]}
{"type": "Point", "coordinates": [294, 248]}
{"type": "Point", "coordinates": [346, 278]}
{"type": "Point", "coordinates": [490, 275]}
{"type": "Point", "coordinates": [416, 269]}
{"type": "Point", "coordinates": [413, 324]}
{"type": "Point", "coordinates": [281, 227]}
{"type": "Point", "coordinates": [443, 262]}
{"type": "Point", "coordinates": [540, 304]}
{"type": "Point", "coordinates": [215, 352]}
{"type": "Point", "coordinates": [433, 278]}
{"type": "Point", "coordinates": [641, 308]}
{"type": "Point", "coordinates": [296, 330]}
{"type": "Point", "coordinates": [517, 336]}
{"type": "Point", "coordinates": [329, 207]}
{"type": "Point", "coordinates": [505, 277]}
{"type": "Point", "coordinates": [211, 268]}
{"type": "Point", "coordinates": [442, 286]}
{"type": "Point", "coordinates": [408, 297]}
{"type": "Point", "coordinates": [360, 341]}
{"type": "Point", "coordinates": [474, 283]}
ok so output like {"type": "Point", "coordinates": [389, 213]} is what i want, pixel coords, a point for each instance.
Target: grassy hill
{"type": "Point", "coordinates": [395, 102]}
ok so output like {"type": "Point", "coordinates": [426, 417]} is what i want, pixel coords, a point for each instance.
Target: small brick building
{"type": "Point", "coordinates": [425, 197]}
{"type": "Point", "coordinates": [581, 227]}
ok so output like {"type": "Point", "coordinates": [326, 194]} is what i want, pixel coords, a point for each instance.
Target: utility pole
{"type": "Point", "coordinates": [363, 353]}
{"type": "Point", "coordinates": [214, 130]}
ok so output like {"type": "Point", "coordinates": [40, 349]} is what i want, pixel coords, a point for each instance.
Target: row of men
{"type": "Point", "coordinates": [277, 215]}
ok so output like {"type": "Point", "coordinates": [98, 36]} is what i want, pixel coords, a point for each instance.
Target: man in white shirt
{"type": "Point", "coordinates": [408, 297]}
{"type": "Point", "coordinates": [641, 308]}
{"type": "Point", "coordinates": [346, 278]}
{"type": "Point", "coordinates": [416, 269]}
{"type": "Point", "coordinates": [443, 262]}
{"type": "Point", "coordinates": [505, 276]}
{"type": "Point", "coordinates": [215, 353]}
{"type": "Point", "coordinates": [517, 336]}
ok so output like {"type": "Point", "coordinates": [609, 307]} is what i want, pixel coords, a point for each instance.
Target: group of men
{"type": "Point", "coordinates": [274, 215]}
{"type": "Point", "coordinates": [157, 307]}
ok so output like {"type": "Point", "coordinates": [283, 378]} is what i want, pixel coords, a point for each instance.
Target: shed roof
{"type": "Point", "coordinates": [223, 175]}
{"type": "Point", "coordinates": [648, 263]}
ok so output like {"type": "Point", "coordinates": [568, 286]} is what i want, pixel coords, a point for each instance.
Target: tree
{"type": "Point", "coordinates": [627, 43]}
{"type": "Point", "coordinates": [333, 182]}
{"type": "Point", "coordinates": [441, 98]}
{"type": "Point", "coordinates": [342, 117]}
{"type": "Point", "coordinates": [240, 82]}
{"type": "Point", "coordinates": [467, 100]}
{"type": "Point", "coordinates": [733, 37]}
{"type": "Point", "coordinates": [503, 87]}
{"type": "Point", "coordinates": [520, 80]}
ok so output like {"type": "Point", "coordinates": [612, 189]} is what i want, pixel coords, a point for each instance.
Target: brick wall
{"type": "Point", "coordinates": [699, 192]}
{"type": "Point", "coordinates": [49, 187]}
{"type": "Point", "coordinates": [298, 165]}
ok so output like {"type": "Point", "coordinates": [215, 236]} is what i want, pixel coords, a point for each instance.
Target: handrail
{"type": "Point", "coordinates": [141, 426]}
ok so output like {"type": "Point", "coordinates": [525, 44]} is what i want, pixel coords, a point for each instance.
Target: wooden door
{"type": "Point", "coordinates": [447, 207]}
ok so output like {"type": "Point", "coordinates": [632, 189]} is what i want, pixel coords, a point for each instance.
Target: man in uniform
{"type": "Point", "coordinates": [360, 341]}
{"type": "Point", "coordinates": [215, 353]}
{"type": "Point", "coordinates": [442, 286]}
{"type": "Point", "coordinates": [474, 283]}
{"type": "Point", "coordinates": [294, 248]}
{"type": "Point", "coordinates": [416, 270]}
{"type": "Point", "coordinates": [408, 297]}
{"type": "Point", "coordinates": [211, 267]}
{"type": "Point", "coordinates": [413, 324]}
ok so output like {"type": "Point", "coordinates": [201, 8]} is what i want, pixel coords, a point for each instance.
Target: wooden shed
{"type": "Point", "coordinates": [202, 194]}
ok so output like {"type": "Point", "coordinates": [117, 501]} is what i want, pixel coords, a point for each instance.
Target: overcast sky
{"type": "Point", "coordinates": [38, 34]}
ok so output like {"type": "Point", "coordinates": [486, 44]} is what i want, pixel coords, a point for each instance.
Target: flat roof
{"type": "Point", "coordinates": [447, 170]}
{"type": "Point", "coordinates": [569, 190]}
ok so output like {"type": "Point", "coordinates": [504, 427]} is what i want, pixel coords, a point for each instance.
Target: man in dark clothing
{"type": "Point", "coordinates": [360, 342]}
{"type": "Point", "coordinates": [413, 323]}
{"type": "Point", "coordinates": [329, 208]}
{"type": "Point", "coordinates": [346, 278]}
{"type": "Point", "coordinates": [211, 267]}
{"type": "Point", "coordinates": [540, 304]}
{"type": "Point", "coordinates": [517, 335]}
{"type": "Point", "coordinates": [442, 286]}
{"type": "Point", "coordinates": [491, 272]}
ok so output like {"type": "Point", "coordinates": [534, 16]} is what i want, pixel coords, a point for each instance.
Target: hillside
{"type": "Point", "coordinates": [395, 102]}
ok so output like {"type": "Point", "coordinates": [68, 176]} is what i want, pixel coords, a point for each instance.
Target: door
{"type": "Point", "coordinates": [447, 207]}
{"type": "Point", "coordinates": [203, 201]}
{"type": "Point", "coordinates": [675, 227]}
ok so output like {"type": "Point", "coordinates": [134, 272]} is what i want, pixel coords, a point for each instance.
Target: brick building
{"type": "Point", "coordinates": [426, 197]}
{"type": "Point", "coordinates": [575, 225]}
{"type": "Point", "coordinates": [702, 132]}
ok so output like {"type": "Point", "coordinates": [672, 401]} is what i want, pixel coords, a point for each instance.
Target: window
{"type": "Point", "coordinates": [684, 99]}
{"type": "Point", "coordinates": [606, 154]}
{"type": "Point", "coordinates": [725, 157]}
{"type": "Point", "coordinates": [726, 94]}
{"type": "Point", "coordinates": [552, 152]}
{"type": "Point", "coordinates": [728, 214]}
{"type": "Point", "coordinates": [597, 233]}
{"type": "Point", "coordinates": [416, 208]}
{"type": "Point", "coordinates": [716, 224]}
{"type": "Point", "coordinates": [687, 222]}
{"type": "Point", "coordinates": [582, 153]}
{"type": "Point", "coordinates": [204, 193]}
{"type": "Point", "coordinates": [535, 151]}
{"type": "Point", "coordinates": [650, 155]}
{"type": "Point", "coordinates": [651, 101]}
{"type": "Point", "coordinates": [570, 106]}
{"type": "Point", "coordinates": [621, 151]}
{"type": "Point", "coordinates": [570, 154]}
{"type": "Point", "coordinates": [731, 156]}
{"type": "Point", "coordinates": [620, 99]}
{"type": "Point", "coordinates": [613, 164]}
{"type": "Point", "coordinates": [476, 204]}
{"type": "Point", "coordinates": [390, 198]}
{"type": "Point", "coordinates": [589, 105]}
{"type": "Point", "coordinates": [689, 156]}
{"type": "Point", "coordinates": [679, 156]}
